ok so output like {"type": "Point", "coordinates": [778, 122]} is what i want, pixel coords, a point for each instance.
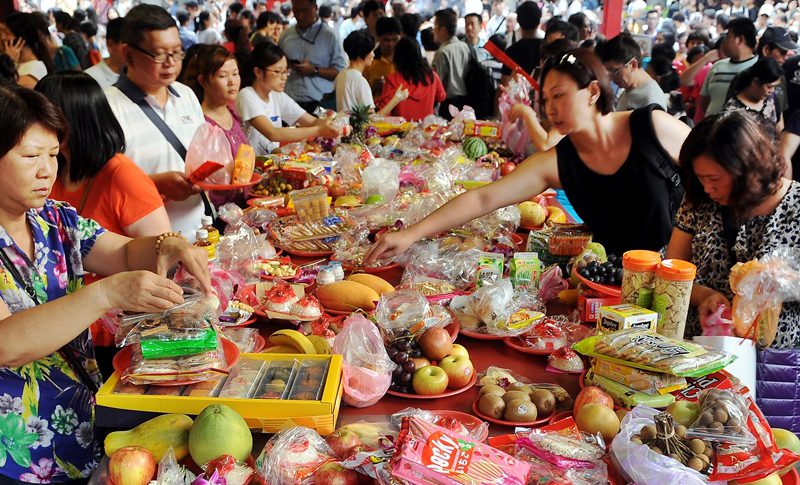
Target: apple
{"type": "Point", "coordinates": [335, 474]}
{"type": "Point", "coordinates": [592, 395]}
{"type": "Point", "coordinates": [435, 343]}
{"type": "Point", "coordinates": [787, 440]}
{"type": "Point", "coordinates": [131, 465]}
{"type": "Point", "coordinates": [342, 442]}
{"type": "Point", "coordinates": [459, 370]}
{"type": "Point", "coordinates": [429, 380]}
{"type": "Point", "coordinates": [684, 412]}
{"type": "Point", "coordinates": [507, 168]}
{"type": "Point", "coordinates": [459, 350]}
{"type": "Point", "coordinates": [532, 214]}
{"type": "Point", "coordinates": [420, 362]}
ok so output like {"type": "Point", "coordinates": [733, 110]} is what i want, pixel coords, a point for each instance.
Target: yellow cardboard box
{"type": "Point", "coordinates": [617, 317]}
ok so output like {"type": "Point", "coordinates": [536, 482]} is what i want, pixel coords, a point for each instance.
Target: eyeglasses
{"type": "Point", "coordinates": [162, 58]}
{"type": "Point", "coordinates": [284, 73]}
{"type": "Point", "coordinates": [615, 72]}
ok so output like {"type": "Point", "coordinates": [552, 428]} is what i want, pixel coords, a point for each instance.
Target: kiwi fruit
{"type": "Point", "coordinates": [544, 401]}
{"type": "Point", "coordinates": [513, 395]}
{"type": "Point", "coordinates": [492, 389]}
{"type": "Point", "coordinates": [492, 405]}
{"type": "Point", "coordinates": [519, 410]}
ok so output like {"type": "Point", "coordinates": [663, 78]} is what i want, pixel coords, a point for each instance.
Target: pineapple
{"type": "Point", "coordinates": [359, 118]}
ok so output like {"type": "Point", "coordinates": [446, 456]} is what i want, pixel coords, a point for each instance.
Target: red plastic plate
{"type": "Point", "coordinates": [538, 422]}
{"type": "Point", "coordinates": [791, 478]}
{"type": "Point", "coordinates": [515, 343]}
{"type": "Point", "coordinates": [604, 289]}
{"type": "Point", "coordinates": [122, 361]}
{"type": "Point", "coordinates": [437, 396]}
{"type": "Point", "coordinates": [369, 269]}
{"type": "Point", "coordinates": [469, 421]}
{"type": "Point", "coordinates": [260, 344]}
{"type": "Point", "coordinates": [481, 336]}
{"type": "Point", "coordinates": [256, 178]}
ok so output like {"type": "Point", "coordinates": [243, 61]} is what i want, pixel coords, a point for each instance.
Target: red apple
{"type": "Point", "coordinates": [343, 441]}
{"type": "Point", "coordinates": [131, 465]}
{"type": "Point", "coordinates": [459, 350]}
{"type": "Point", "coordinates": [507, 168]}
{"type": "Point", "coordinates": [420, 362]}
{"type": "Point", "coordinates": [435, 343]}
{"type": "Point", "coordinates": [429, 380]}
{"type": "Point", "coordinates": [335, 474]}
{"type": "Point", "coordinates": [459, 370]}
{"type": "Point", "coordinates": [592, 395]}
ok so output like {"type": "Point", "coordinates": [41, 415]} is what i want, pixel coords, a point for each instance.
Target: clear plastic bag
{"type": "Point", "coordinates": [362, 436]}
{"type": "Point", "coordinates": [171, 473]}
{"type": "Point", "coordinates": [210, 144]}
{"type": "Point", "coordinates": [723, 418]}
{"type": "Point", "coordinates": [761, 287]}
{"type": "Point", "coordinates": [403, 310]}
{"type": "Point", "coordinates": [552, 283]}
{"type": "Point", "coordinates": [231, 213]}
{"type": "Point", "coordinates": [640, 464]}
{"type": "Point", "coordinates": [496, 309]}
{"type": "Point", "coordinates": [717, 325]}
{"type": "Point", "coordinates": [293, 456]}
{"type": "Point", "coordinates": [477, 433]}
{"type": "Point", "coordinates": [192, 317]}
{"type": "Point", "coordinates": [381, 177]}
{"type": "Point", "coordinates": [515, 134]}
{"type": "Point", "coordinates": [198, 367]}
{"type": "Point", "coordinates": [238, 249]}
{"type": "Point", "coordinates": [367, 369]}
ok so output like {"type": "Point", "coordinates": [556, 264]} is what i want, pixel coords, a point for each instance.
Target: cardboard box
{"type": "Point", "coordinates": [617, 317]}
{"type": "Point", "coordinates": [119, 405]}
{"type": "Point", "coordinates": [589, 305]}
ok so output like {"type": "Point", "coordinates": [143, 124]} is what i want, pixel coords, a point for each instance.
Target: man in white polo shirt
{"type": "Point", "coordinates": [148, 95]}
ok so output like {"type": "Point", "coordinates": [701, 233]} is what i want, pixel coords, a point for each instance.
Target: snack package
{"type": "Point", "coordinates": [650, 351]}
{"type": "Point", "coordinates": [209, 143]}
{"type": "Point", "coordinates": [653, 383]}
{"type": "Point", "coordinates": [497, 309]}
{"type": "Point", "coordinates": [477, 433]}
{"type": "Point", "coordinates": [643, 466]}
{"type": "Point", "coordinates": [569, 239]}
{"type": "Point", "coordinates": [723, 418]}
{"type": "Point", "coordinates": [761, 287]}
{"type": "Point", "coordinates": [227, 468]}
{"type": "Point", "coordinates": [198, 367]}
{"type": "Point", "coordinates": [293, 456]}
{"type": "Point", "coordinates": [367, 368]}
{"type": "Point", "coordinates": [244, 164]}
{"type": "Point", "coordinates": [189, 320]}
{"type": "Point", "coordinates": [525, 270]}
{"type": "Point", "coordinates": [625, 396]}
{"type": "Point", "coordinates": [426, 454]}
{"type": "Point", "coordinates": [490, 268]}
{"type": "Point", "coordinates": [169, 344]}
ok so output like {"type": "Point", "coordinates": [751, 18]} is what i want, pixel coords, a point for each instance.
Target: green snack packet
{"type": "Point", "coordinates": [525, 270]}
{"type": "Point", "coordinates": [159, 347]}
{"type": "Point", "coordinates": [490, 268]}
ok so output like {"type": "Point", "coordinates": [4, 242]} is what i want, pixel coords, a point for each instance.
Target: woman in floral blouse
{"type": "Point", "coordinates": [47, 366]}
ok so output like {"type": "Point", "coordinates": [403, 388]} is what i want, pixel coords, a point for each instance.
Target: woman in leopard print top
{"type": "Point", "coordinates": [738, 207]}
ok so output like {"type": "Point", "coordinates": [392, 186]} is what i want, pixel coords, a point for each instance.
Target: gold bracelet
{"type": "Point", "coordinates": [160, 239]}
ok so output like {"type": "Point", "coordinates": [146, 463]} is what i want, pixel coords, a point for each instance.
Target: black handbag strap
{"type": "Point", "coordinates": [138, 97]}
{"type": "Point", "coordinates": [65, 351]}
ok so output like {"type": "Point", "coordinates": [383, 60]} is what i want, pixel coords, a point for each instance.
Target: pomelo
{"type": "Point", "coordinates": [219, 430]}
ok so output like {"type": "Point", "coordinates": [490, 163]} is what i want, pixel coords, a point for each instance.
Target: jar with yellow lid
{"type": "Point", "coordinates": [673, 293]}
{"type": "Point", "coordinates": [639, 277]}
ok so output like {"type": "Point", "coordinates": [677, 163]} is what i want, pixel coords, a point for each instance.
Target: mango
{"type": "Point", "coordinates": [347, 296]}
{"type": "Point", "coordinates": [156, 435]}
{"type": "Point", "coordinates": [380, 285]}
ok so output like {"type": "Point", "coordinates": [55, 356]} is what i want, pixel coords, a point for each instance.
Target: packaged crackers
{"type": "Point", "coordinates": [652, 383]}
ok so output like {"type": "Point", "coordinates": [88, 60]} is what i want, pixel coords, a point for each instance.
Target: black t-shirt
{"type": "Point", "coordinates": [792, 74]}
{"type": "Point", "coordinates": [629, 209]}
{"type": "Point", "coordinates": [793, 126]}
{"type": "Point", "coordinates": [526, 53]}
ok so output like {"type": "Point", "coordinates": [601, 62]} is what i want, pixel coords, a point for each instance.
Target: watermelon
{"type": "Point", "coordinates": [474, 148]}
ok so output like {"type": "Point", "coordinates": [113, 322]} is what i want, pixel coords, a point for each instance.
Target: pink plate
{"type": "Point", "coordinates": [481, 336]}
{"type": "Point", "coordinates": [436, 396]}
{"type": "Point", "coordinates": [514, 343]}
{"type": "Point", "coordinates": [122, 361]}
{"type": "Point", "coordinates": [538, 422]}
{"type": "Point", "coordinates": [469, 421]}
{"type": "Point", "coordinates": [256, 178]}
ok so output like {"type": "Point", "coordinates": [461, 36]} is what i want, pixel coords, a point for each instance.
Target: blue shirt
{"type": "Point", "coordinates": [46, 413]}
{"type": "Point", "coordinates": [320, 45]}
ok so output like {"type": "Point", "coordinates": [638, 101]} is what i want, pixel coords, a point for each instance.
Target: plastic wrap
{"type": "Point", "coordinates": [210, 144]}
{"type": "Point", "coordinates": [238, 248]}
{"type": "Point", "coordinates": [761, 287]}
{"type": "Point", "coordinates": [403, 310]}
{"type": "Point", "coordinates": [362, 436]}
{"type": "Point", "coordinates": [717, 325]}
{"type": "Point", "coordinates": [293, 456]}
{"type": "Point", "coordinates": [552, 283]}
{"type": "Point", "coordinates": [562, 450]}
{"type": "Point", "coordinates": [508, 380]}
{"type": "Point", "coordinates": [229, 470]}
{"type": "Point", "coordinates": [640, 463]}
{"type": "Point", "coordinates": [231, 213]}
{"type": "Point", "coordinates": [197, 367]}
{"type": "Point", "coordinates": [189, 319]}
{"type": "Point", "coordinates": [381, 177]}
{"type": "Point", "coordinates": [367, 369]}
{"type": "Point", "coordinates": [353, 245]}
{"type": "Point", "coordinates": [477, 433]}
{"type": "Point", "coordinates": [515, 134]}
{"type": "Point", "coordinates": [497, 309]}
{"type": "Point", "coordinates": [171, 473]}
{"type": "Point", "coordinates": [224, 282]}
{"type": "Point", "coordinates": [723, 418]}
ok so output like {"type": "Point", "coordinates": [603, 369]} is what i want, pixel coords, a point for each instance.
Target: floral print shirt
{"type": "Point", "coordinates": [46, 413]}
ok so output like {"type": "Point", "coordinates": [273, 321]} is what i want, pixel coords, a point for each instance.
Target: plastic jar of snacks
{"type": "Point", "coordinates": [639, 277]}
{"type": "Point", "coordinates": [673, 292]}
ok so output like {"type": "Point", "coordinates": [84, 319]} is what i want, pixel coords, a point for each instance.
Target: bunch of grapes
{"type": "Point", "coordinates": [401, 351]}
{"type": "Point", "coordinates": [608, 273]}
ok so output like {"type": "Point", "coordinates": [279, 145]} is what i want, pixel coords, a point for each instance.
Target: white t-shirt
{"type": "Point", "coordinates": [147, 147]}
{"type": "Point", "coordinates": [103, 74]}
{"type": "Point", "coordinates": [34, 69]}
{"type": "Point", "coordinates": [209, 36]}
{"type": "Point", "coordinates": [277, 108]}
{"type": "Point", "coordinates": [352, 89]}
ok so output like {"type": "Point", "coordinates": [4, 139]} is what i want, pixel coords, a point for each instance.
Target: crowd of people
{"type": "Point", "coordinates": [98, 112]}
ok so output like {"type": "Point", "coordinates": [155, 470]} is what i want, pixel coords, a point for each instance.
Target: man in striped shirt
{"type": "Point", "coordinates": [739, 44]}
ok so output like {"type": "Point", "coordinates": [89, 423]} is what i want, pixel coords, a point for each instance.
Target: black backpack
{"type": "Point", "coordinates": [480, 87]}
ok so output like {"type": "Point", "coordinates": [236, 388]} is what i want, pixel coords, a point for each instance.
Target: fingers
{"type": "Point", "coordinates": [196, 263]}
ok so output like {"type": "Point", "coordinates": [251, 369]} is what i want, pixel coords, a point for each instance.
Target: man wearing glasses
{"type": "Point", "coordinates": [158, 115]}
{"type": "Point", "coordinates": [623, 60]}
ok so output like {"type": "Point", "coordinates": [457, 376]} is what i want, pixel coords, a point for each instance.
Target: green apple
{"type": "Point", "coordinates": [786, 440]}
{"type": "Point", "coordinates": [429, 380]}
{"type": "Point", "coordinates": [374, 199]}
{"type": "Point", "coordinates": [459, 350]}
{"type": "Point", "coordinates": [684, 412]}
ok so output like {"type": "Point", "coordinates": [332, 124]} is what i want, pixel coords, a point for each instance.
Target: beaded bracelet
{"type": "Point", "coordinates": [160, 239]}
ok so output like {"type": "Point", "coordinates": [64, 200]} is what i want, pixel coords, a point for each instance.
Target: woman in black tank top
{"type": "Point", "coordinates": [610, 164]}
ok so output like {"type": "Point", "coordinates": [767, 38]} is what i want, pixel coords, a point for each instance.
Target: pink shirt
{"type": "Point", "coordinates": [236, 134]}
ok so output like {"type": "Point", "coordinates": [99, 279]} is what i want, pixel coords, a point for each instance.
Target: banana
{"type": "Point", "coordinates": [280, 349]}
{"type": "Point", "coordinates": [294, 339]}
{"type": "Point", "coordinates": [320, 344]}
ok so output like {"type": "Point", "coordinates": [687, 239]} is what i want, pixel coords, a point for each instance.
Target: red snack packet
{"type": "Point", "coordinates": [426, 454]}
{"type": "Point", "coordinates": [204, 171]}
